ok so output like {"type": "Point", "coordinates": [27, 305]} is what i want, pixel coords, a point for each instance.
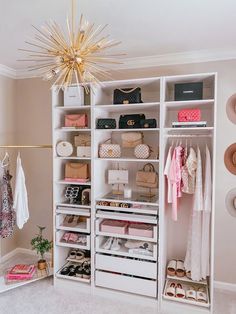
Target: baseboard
{"type": "Point", "coordinates": [221, 285]}
{"type": "Point", "coordinates": [22, 251]}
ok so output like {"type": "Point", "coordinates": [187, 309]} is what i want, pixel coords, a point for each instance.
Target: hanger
{"type": "Point", "coordinates": [6, 160]}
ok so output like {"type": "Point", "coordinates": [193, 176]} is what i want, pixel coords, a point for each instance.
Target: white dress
{"type": "Point", "coordinates": [20, 197]}
{"type": "Point", "coordinates": [193, 255]}
{"type": "Point", "coordinates": [206, 217]}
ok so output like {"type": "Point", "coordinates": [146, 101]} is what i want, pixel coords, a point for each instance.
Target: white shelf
{"type": "Point", "coordinates": [73, 205]}
{"type": "Point", "coordinates": [73, 229]}
{"type": "Point", "coordinates": [198, 129]}
{"type": "Point", "coordinates": [73, 158]}
{"type": "Point", "coordinates": [186, 279]}
{"type": "Point", "coordinates": [129, 107]}
{"type": "Point", "coordinates": [72, 130]}
{"type": "Point", "coordinates": [123, 159]}
{"type": "Point", "coordinates": [128, 217]}
{"type": "Point", "coordinates": [72, 183]}
{"type": "Point", "coordinates": [70, 108]}
{"type": "Point", "coordinates": [126, 236]}
{"type": "Point", "coordinates": [73, 246]}
{"type": "Point", "coordinates": [73, 278]}
{"type": "Point", "coordinates": [129, 130]}
{"type": "Point", "coordinates": [188, 103]}
{"type": "Point", "coordinates": [81, 212]}
{"type": "Point", "coordinates": [151, 211]}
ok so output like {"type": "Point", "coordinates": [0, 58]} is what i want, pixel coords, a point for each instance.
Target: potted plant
{"type": "Point", "coordinates": [41, 246]}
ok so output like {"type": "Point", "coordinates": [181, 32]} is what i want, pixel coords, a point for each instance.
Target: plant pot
{"type": "Point", "coordinates": [42, 264]}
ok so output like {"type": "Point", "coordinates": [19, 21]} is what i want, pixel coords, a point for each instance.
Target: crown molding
{"type": "Point", "coordinates": [198, 56]}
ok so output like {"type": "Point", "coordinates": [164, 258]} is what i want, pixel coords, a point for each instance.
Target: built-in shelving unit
{"type": "Point", "coordinates": [119, 268]}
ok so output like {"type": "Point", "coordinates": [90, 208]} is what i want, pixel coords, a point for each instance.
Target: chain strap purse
{"type": "Point", "coordinates": [127, 96]}
{"type": "Point", "coordinates": [109, 150]}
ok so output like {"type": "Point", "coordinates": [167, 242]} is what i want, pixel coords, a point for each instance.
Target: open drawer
{"type": "Point", "coordinates": [76, 245]}
{"type": "Point", "coordinates": [79, 223]}
{"type": "Point", "coordinates": [127, 266]}
{"type": "Point", "coordinates": [146, 287]}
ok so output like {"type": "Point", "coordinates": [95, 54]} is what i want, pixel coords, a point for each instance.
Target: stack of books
{"type": "Point", "coordinates": [194, 124]}
{"type": "Point", "coordinates": [20, 272]}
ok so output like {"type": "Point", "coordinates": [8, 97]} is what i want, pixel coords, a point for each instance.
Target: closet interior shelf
{"type": "Point", "coordinates": [25, 146]}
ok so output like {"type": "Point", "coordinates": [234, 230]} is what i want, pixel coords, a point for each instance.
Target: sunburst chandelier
{"type": "Point", "coordinates": [79, 58]}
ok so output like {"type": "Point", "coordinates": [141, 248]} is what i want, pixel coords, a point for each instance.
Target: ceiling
{"type": "Point", "coordinates": [145, 27]}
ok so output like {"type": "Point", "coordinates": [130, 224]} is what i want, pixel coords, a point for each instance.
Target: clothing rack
{"type": "Point", "coordinates": [25, 146]}
{"type": "Point", "coordinates": [188, 135]}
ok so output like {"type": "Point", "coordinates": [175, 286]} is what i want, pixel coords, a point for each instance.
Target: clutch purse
{"type": "Point", "coordinates": [106, 124]}
{"type": "Point", "coordinates": [189, 115]}
{"type": "Point", "coordinates": [118, 177]}
{"type": "Point", "coordinates": [64, 149]}
{"type": "Point", "coordinates": [131, 139]}
{"type": "Point", "coordinates": [76, 171]}
{"type": "Point", "coordinates": [84, 151]}
{"type": "Point", "coordinates": [147, 177]}
{"type": "Point", "coordinates": [109, 150]}
{"type": "Point", "coordinates": [148, 123]}
{"type": "Point", "coordinates": [127, 96]}
{"type": "Point", "coordinates": [131, 121]}
{"type": "Point", "coordinates": [82, 140]}
{"type": "Point", "coordinates": [76, 120]}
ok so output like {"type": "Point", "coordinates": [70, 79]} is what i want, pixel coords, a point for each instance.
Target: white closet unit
{"type": "Point", "coordinates": [121, 269]}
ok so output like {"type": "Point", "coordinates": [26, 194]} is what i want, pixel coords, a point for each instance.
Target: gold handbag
{"type": "Point", "coordinates": [147, 177]}
{"type": "Point", "coordinates": [76, 170]}
{"type": "Point", "coordinates": [131, 139]}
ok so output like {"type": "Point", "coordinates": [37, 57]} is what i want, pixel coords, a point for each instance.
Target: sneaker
{"type": "Point", "coordinates": [107, 245]}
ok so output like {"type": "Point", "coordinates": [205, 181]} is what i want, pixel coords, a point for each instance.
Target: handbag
{"type": "Point", "coordinates": [86, 197]}
{"type": "Point", "coordinates": [84, 151]}
{"type": "Point", "coordinates": [131, 139]}
{"type": "Point", "coordinates": [106, 124]}
{"type": "Point", "coordinates": [118, 177]}
{"type": "Point", "coordinates": [148, 123]}
{"type": "Point", "coordinates": [74, 96]}
{"type": "Point", "coordinates": [147, 177]}
{"type": "Point", "coordinates": [130, 121]}
{"type": "Point", "coordinates": [82, 140]}
{"type": "Point", "coordinates": [76, 120]}
{"type": "Point", "coordinates": [127, 96]}
{"type": "Point", "coordinates": [189, 115]}
{"type": "Point", "coordinates": [142, 151]}
{"type": "Point", "coordinates": [109, 150]}
{"type": "Point", "coordinates": [76, 170]}
{"type": "Point", "coordinates": [64, 149]}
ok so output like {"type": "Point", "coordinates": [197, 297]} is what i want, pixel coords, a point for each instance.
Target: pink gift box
{"type": "Point", "coordinates": [114, 226]}
{"type": "Point", "coordinates": [140, 230]}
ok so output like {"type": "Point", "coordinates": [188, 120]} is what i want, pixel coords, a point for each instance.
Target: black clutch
{"type": "Point", "coordinates": [106, 124]}
{"type": "Point", "coordinates": [131, 121]}
{"type": "Point", "coordinates": [148, 123]}
{"type": "Point", "coordinates": [127, 96]}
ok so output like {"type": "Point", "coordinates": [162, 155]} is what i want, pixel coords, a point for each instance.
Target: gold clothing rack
{"type": "Point", "coordinates": [25, 146]}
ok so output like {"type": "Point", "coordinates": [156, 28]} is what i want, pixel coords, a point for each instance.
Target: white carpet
{"type": "Point", "coordinates": [42, 298]}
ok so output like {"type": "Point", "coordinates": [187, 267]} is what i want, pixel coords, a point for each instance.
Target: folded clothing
{"type": "Point", "coordinates": [133, 244]}
{"type": "Point", "coordinates": [140, 252]}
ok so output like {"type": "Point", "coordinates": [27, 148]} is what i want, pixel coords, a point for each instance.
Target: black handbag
{"type": "Point", "coordinates": [188, 91]}
{"type": "Point", "coordinates": [106, 124]}
{"type": "Point", "coordinates": [148, 123]}
{"type": "Point", "coordinates": [131, 121]}
{"type": "Point", "coordinates": [127, 96]}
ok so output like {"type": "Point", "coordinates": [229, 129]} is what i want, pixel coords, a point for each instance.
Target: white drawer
{"type": "Point", "coordinates": [59, 235]}
{"type": "Point", "coordinates": [83, 227]}
{"type": "Point", "coordinates": [144, 287]}
{"type": "Point", "coordinates": [126, 266]}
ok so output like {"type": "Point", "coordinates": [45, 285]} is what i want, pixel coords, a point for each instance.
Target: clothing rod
{"type": "Point", "coordinates": [25, 146]}
{"type": "Point", "coordinates": [188, 135]}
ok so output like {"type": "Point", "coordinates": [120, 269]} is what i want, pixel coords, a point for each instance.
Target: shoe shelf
{"type": "Point", "coordinates": [186, 279]}
{"type": "Point", "coordinates": [60, 242]}
{"type": "Point", "coordinates": [82, 227]}
{"type": "Point", "coordinates": [74, 278]}
{"type": "Point", "coordinates": [74, 211]}
{"type": "Point", "coordinates": [151, 210]}
{"type": "Point", "coordinates": [64, 206]}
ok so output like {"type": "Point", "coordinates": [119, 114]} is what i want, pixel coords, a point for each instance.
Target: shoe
{"type": "Point", "coordinates": [73, 237]}
{"type": "Point", "coordinates": [72, 272]}
{"type": "Point", "coordinates": [79, 255]}
{"type": "Point", "coordinates": [86, 270]}
{"type": "Point", "coordinates": [79, 270]}
{"type": "Point", "coordinates": [171, 268]}
{"type": "Point", "coordinates": [66, 270]}
{"type": "Point", "coordinates": [180, 270]}
{"type": "Point", "coordinates": [107, 245]}
{"type": "Point", "coordinates": [115, 245]}
{"type": "Point", "coordinates": [66, 237]}
{"type": "Point", "coordinates": [72, 254]}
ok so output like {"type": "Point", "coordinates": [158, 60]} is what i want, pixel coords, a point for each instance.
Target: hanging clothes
{"type": "Point", "coordinates": [20, 196]}
{"type": "Point", "coordinates": [192, 261]}
{"type": "Point", "coordinates": [7, 213]}
{"type": "Point", "coordinates": [188, 172]}
{"type": "Point", "coordinates": [167, 174]}
{"type": "Point", "coordinates": [206, 217]}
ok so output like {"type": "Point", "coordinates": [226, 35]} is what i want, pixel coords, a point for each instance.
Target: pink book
{"type": "Point", "coordinates": [28, 276]}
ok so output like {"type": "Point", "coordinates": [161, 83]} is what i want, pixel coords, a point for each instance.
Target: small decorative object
{"type": "Point", "coordinates": [148, 123]}
{"type": "Point", "coordinates": [230, 202]}
{"type": "Point", "coordinates": [142, 151]}
{"type": "Point", "coordinates": [118, 177]}
{"type": "Point", "coordinates": [231, 108]}
{"type": "Point", "coordinates": [127, 193]}
{"type": "Point", "coordinates": [79, 57]}
{"type": "Point", "coordinates": [76, 120]}
{"type": "Point", "coordinates": [189, 115]}
{"type": "Point", "coordinates": [41, 246]}
{"type": "Point", "coordinates": [64, 149]}
{"type": "Point", "coordinates": [131, 121]}
{"type": "Point", "coordinates": [109, 150]}
{"type": "Point", "coordinates": [106, 124]}
{"type": "Point", "coordinates": [230, 158]}
{"type": "Point", "coordinates": [131, 139]}
{"type": "Point", "coordinates": [189, 91]}
{"type": "Point", "coordinates": [74, 96]}
{"type": "Point", "coordinates": [127, 96]}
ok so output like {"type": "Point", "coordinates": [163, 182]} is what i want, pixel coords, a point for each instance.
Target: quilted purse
{"type": "Point", "coordinates": [147, 177]}
{"type": "Point", "coordinates": [148, 123]}
{"type": "Point", "coordinates": [106, 124]}
{"type": "Point", "coordinates": [142, 151]}
{"type": "Point", "coordinates": [118, 177]}
{"type": "Point", "coordinates": [82, 140]}
{"type": "Point", "coordinates": [109, 150]}
{"type": "Point", "coordinates": [131, 121]}
{"type": "Point", "coordinates": [76, 170]}
{"type": "Point", "coordinates": [127, 96]}
{"type": "Point", "coordinates": [84, 151]}
{"type": "Point", "coordinates": [76, 120]}
{"type": "Point", "coordinates": [131, 139]}
{"type": "Point", "coordinates": [64, 149]}
{"type": "Point", "coordinates": [189, 115]}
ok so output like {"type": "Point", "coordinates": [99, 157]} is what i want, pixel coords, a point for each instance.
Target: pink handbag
{"type": "Point", "coordinates": [76, 120]}
{"type": "Point", "coordinates": [189, 115]}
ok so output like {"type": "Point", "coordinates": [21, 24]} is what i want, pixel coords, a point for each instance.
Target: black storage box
{"type": "Point", "coordinates": [189, 91]}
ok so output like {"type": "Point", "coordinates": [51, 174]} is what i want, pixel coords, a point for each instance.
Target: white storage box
{"type": "Point", "coordinates": [74, 96]}
{"type": "Point", "coordinates": [84, 151]}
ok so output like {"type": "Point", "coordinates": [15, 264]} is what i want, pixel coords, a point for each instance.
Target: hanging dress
{"type": "Point", "coordinates": [20, 196]}
{"type": "Point", "coordinates": [7, 213]}
{"type": "Point", "coordinates": [188, 172]}
{"type": "Point", "coordinates": [206, 217]}
{"type": "Point", "coordinates": [192, 261]}
{"type": "Point", "coordinates": [167, 174]}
